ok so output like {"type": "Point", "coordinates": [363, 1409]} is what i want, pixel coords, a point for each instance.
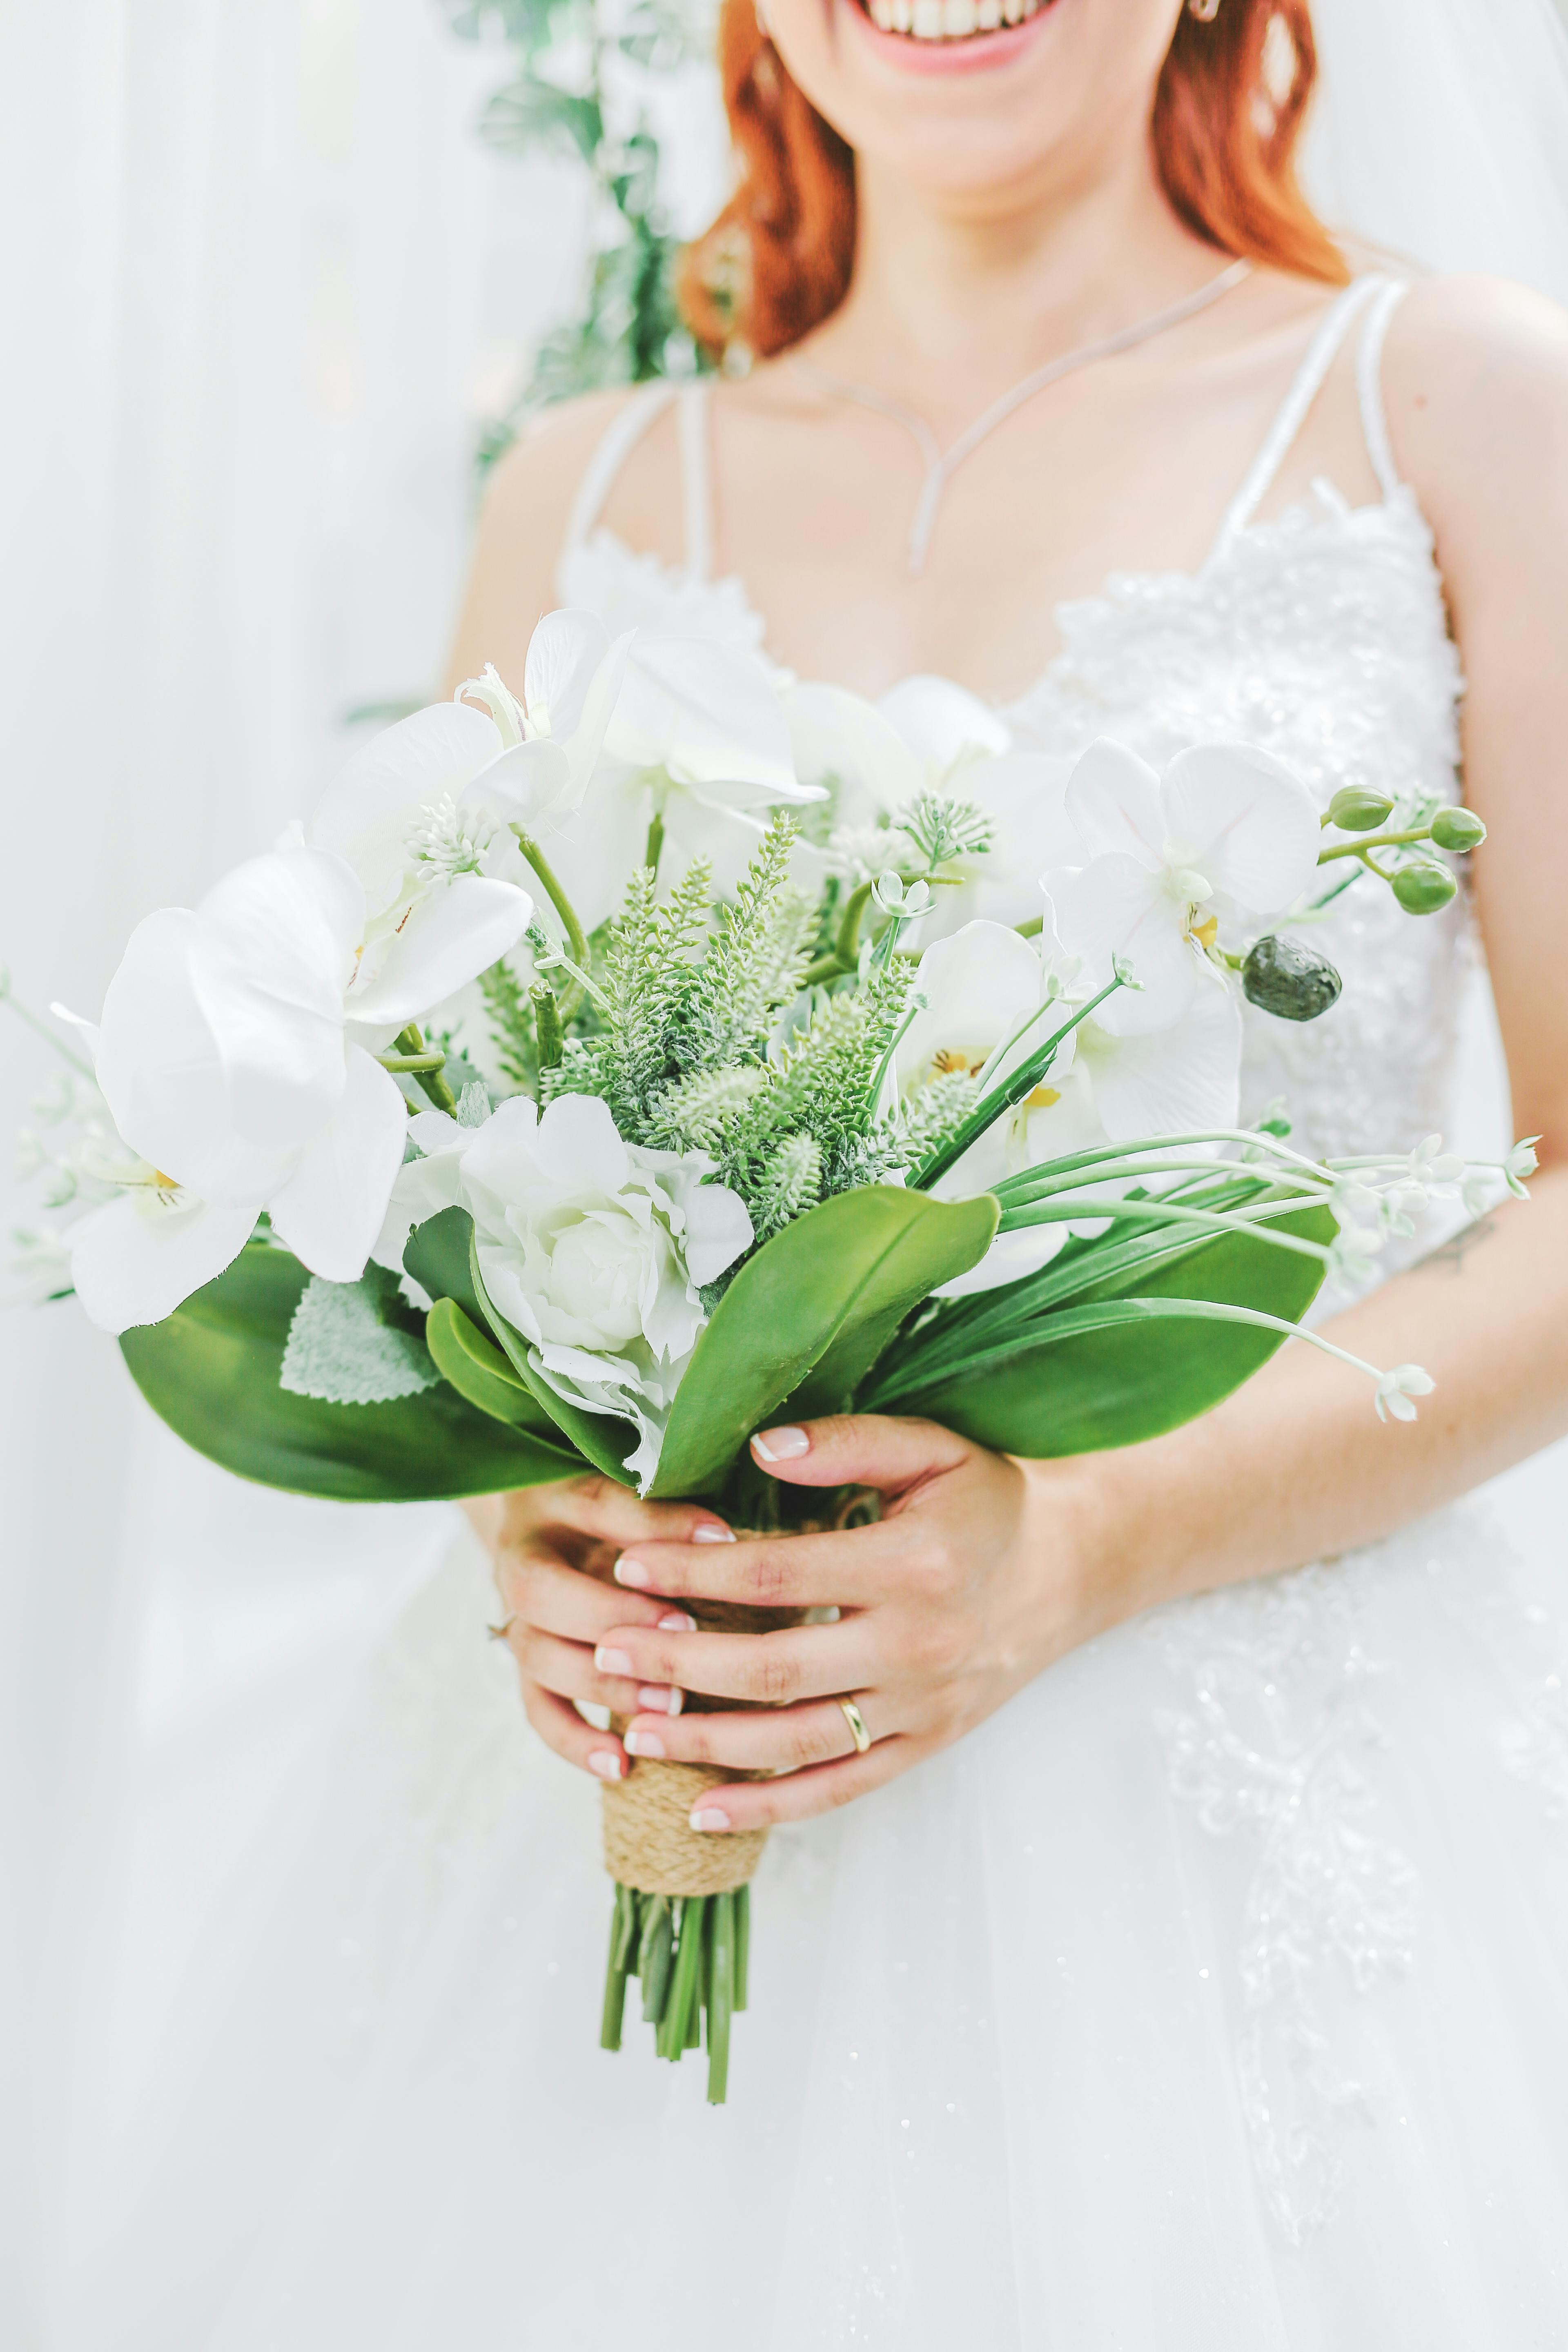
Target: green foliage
{"type": "Point", "coordinates": [211, 1371]}
{"type": "Point", "coordinates": [511, 1023]}
{"type": "Point", "coordinates": [1095, 1351]}
{"type": "Point", "coordinates": [573, 83]}
{"type": "Point", "coordinates": [819, 1303]}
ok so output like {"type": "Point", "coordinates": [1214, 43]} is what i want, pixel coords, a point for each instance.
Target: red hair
{"type": "Point", "coordinates": [1229, 109]}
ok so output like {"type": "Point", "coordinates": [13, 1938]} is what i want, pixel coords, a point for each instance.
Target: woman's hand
{"type": "Point", "coordinates": [553, 1548]}
{"type": "Point", "coordinates": [981, 1571]}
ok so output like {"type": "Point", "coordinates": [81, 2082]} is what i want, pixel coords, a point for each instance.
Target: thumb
{"type": "Point", "coordinates": [861, 1449]}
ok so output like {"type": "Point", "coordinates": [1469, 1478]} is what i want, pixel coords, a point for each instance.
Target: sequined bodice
{"type": "Point", "coordinates": [1321, 635]}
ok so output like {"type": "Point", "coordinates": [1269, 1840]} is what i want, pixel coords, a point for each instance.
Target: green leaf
{"type": "Point", "coordinates": [480, 1372]}
{"type": "Point", "coordinates": [437, 1255]}
{"type": "Point", "coordinates": [605, 1438]}
{"type": "Point", "coordinates": [210, 1370]}
{"type": "Point", "coordinates": [1076, 1389]}
{"type": "Point", "coordinates": [807, 1318]}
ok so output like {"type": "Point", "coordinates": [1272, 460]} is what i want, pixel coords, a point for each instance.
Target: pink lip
{"type": "Point", "coordinates": [974, 54]}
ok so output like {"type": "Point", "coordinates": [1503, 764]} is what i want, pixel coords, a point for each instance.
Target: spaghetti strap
{"type": "Point", "coordinates": [696, 481]}
{"type": "Point", "coordinates": [626, 430]}
{"type": "Point", "coordinates": [1309, 382]}
{"type": "Point", "coordinates": [1369, 383]}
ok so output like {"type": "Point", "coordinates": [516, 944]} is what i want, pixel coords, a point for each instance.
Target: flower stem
{"type": "Point", "coordinates": [1374, 841]}
{"type": "Point", "coordinates": [576, 940]}
{"type": "Point", "coordinates": [412, 1057]}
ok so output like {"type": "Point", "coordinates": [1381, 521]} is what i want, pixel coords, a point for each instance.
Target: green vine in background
{"type": "Point", "coordinates": [560, 98]}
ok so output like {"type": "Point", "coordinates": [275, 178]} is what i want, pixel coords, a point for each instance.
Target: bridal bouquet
{"type": "Point", "coordinates": [606, 1071]}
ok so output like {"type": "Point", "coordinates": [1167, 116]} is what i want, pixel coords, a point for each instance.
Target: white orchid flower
{"type": "Point", "coordinates": [442, 878]}
{"type": "Point", "coordinates": [237, 1058]}
{"type": "Point", "coordinates": [552, 739]}
{"type": "Point", "coordinates": [596, 1250]}
{"type": "Point", "coordinates": [1225, 828]}
{"type": "Point", "coordinates": [928, 735]}
{"type": "Point", "coordinates": [1125, 1090]}
{"type": "Point", "coordinates": [697, 746]}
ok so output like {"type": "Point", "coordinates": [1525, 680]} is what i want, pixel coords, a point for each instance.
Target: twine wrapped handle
{"type": "Point", "coordinates": [650, 1843]}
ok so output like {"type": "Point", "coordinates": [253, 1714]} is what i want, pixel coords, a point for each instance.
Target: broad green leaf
{"type": "Point", "coordinates": [805, 1317]}
{"type": "Point", "coordinates": [479, 1372]}
{"type": "Point", "coordinates": [211, 1371]}
{"type": "Point", "coordinates": [437, 1255]}
{"type": "Point", "coordinates": [1077, 1389]}
{"type": "Point", "coordinates": [605, 1438]}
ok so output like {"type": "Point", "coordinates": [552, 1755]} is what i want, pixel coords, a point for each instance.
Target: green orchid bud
{"type": "Point", "coordinates": [1289, 979]}
{"type": "Point", "coordinates": [1355, 809]}
{"type": "Point", "coordinates": [1457, 829]}
{"type": "Point", "coordinates": [1424, 886]}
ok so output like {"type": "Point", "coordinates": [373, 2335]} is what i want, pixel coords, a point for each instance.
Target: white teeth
{"type": "Point", "coordinates": [949, 20]}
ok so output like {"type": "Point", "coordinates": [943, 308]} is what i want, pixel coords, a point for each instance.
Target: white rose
{"type": "Point", "coordinates": [595, 1250]}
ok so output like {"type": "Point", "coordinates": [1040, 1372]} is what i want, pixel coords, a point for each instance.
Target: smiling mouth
{"type": "Point", "coordinates": [949, 20]}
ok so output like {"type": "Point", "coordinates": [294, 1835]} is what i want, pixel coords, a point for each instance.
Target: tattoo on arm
{"type": "Point", "coordinates": [1459, 1246]}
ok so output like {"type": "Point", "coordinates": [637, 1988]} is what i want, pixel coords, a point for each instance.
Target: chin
{"type": "Point", "coordinates": [969, 96]}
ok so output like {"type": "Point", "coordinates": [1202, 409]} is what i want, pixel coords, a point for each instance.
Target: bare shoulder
{"type": "Point", "coordinates": [1476, 379]}
{"type": "Point", "coordinates": [537, 480]}
{"type": "Point", "coordinates": [522, 524]}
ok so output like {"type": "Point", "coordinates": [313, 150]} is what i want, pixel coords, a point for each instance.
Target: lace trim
{"type": "Point", "coordinates": [1270, 1746]}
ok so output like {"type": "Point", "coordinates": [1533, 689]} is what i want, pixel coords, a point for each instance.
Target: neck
{"type": "Point", "coordinates": [950, 301]}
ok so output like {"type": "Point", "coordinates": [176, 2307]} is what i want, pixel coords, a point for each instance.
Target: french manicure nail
{"type": "Point", "coordinates": [611, 1662]}
{"type": "Point", "coordinates": [660, 1699]}
{"type": "Point", "coordinates": [606, 1763]}
{"type": "Point", "coordinates": [677, 1621]}
{"type": "Point", "coordinates": [631, 1571]}
{"type": "Point", "coordinates": [643, 1743]}
{"type": "Point", "coordinates": [708, 1817]}
{"type": "Point", "coordinates": [781, 1444]}
{"type": "Point", "coordinates": [710, 1532]}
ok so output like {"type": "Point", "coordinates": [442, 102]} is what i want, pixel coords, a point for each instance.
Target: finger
{"type": "Point", "coordinates": [560, 1726]}
{"type": "Point", "coordinates": [799, 1796]}
{"type": "Point", "coordinates": [538, 1589]}
{"type": "Point", "coordinates": [861, 1449]}
{"type": "Point", "coordinates": [603, 1507]}
{"type": "Point", "coordinates": [783, 1739]}
{"type": "Point", "coordinates": [567, 1668]}
{"type": "Point", "coordinates": [835, 1568]}
{"type": "Point", "coordinates": [768, 1669]}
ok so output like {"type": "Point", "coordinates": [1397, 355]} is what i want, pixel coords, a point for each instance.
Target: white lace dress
{"type": "Point", "coordinates": [1208, 1999]}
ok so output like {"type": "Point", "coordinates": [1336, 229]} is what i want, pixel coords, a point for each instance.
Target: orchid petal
{"type": "Point", "coordinates": [850, 746]}
{"type": "Point", "coordinates": [1245, 822]}
{"type": "Point", "coordinates": [944, 725]}
{"type": "Point", "coordinates": [332, 1209]}
{"type": "Point", "coordinates": [1113, 800]}
{"type": "Point", "coordinates": [456, 932]}
{"type": "Point", "coordinates": [136, 1259]}
{"type": "Point", "coordinates": [1176, 1081]}
{"type": "Point", "coordinates": [274, 950]}
{"type": "Point", "coordinates": [1010, 1257]}
{"type": "Point", "coordinates": [707, 714]}
{"type": "Point", "coordinates": [587, 741]}
{"type": "Point", "coordinates": [980, 985]}
{"type": "Point", "coordinates": [368, 813]}
{"type": "Point", "coordinates": [564, 653]}
{"type": "Point", "coordinates": [1118, 908]}
{"type": "Point", "coordinates": [521, 785]}
{"type": "Point", "coordinates": [163, 1074]}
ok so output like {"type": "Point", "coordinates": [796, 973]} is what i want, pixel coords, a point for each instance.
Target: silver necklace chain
{"type": "Point", "coordinates": [940, 465]}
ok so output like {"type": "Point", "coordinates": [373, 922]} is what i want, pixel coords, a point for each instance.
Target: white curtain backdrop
{"type": "Point", "coordinates": [259, 282]}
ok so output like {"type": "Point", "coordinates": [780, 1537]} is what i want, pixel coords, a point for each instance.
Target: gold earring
{"type": "Point", "coordinates": [1206, 11]}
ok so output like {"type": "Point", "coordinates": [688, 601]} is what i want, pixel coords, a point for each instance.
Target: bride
{"type": "Point", "coordinates": [1180, 1965]}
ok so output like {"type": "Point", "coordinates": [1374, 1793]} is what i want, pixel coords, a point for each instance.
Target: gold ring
{"type": "Point", "coordinates": [499, 1633]}
{"type": "Point", "coordinates": [856, 1722]}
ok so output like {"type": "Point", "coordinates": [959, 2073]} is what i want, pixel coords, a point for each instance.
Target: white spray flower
{"type": "Point", "coordinates": [1395, 1388]}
